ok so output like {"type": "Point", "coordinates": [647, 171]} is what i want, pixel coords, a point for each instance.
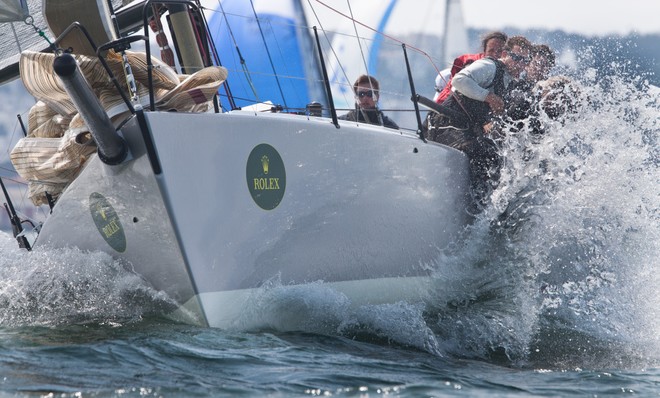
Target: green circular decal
{"type": "Point", "coordinates": [107, 222]}
{"type": "Point", "coordinates": [266, 177]}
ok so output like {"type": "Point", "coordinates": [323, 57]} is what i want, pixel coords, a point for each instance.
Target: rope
{"type": "Point", "coordinates": [156, 26]}
{"type": "Point", "coordinates": [366, 68]}
{"type": "Point", "coordinates": [424, 53]}
{"type": "Point", "coordinates": [327, 39]}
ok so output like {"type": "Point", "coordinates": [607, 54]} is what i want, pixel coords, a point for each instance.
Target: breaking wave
{"type": "Point", "coordinates": [562, 265]}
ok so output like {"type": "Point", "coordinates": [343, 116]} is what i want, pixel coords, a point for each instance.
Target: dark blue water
{"type": "Point", "coordinates": [553, 291]}
{"type": "Point", "coordinates": [153, 358]}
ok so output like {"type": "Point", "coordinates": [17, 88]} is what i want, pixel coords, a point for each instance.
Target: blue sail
{"type": "Point", "coordinates": [262, 45]}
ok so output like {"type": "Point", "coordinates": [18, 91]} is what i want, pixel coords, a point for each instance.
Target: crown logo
{"type": "Point", "coordinates": [101, 210]}
{"type": "Point", "coordinates": [264, 163]}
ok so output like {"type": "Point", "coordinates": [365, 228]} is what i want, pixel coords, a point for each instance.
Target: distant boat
{"type": "Point", "coordinates": [208, 205]}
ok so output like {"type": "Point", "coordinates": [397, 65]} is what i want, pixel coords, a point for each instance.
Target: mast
{"type": "Point", "coordinates": [185, 36]}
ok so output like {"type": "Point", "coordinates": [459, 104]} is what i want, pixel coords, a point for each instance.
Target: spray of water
{"type": "Point", "coordinates": [572, 235]}
{"type": "Point", "coordinates": [51, 287]}
{"type": "Point", "coordinates": [559, 268]}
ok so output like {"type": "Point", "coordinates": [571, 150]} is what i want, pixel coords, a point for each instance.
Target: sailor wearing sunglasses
{"type": "Point", "coordinates": [482, 85]}
{"type": "Point", "coordinates": [478, 94]}
{"type": "Point", "coordinates": [366, 89]}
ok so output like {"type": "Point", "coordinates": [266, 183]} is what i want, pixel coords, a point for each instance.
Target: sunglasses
{"type": "Point", "coordinates": [363, 94]}
{"type": "Point", "coordinates": [520, 58]}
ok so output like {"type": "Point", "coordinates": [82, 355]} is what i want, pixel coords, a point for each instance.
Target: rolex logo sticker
{"type": "Point", "coordinates": [107, 222]}
{"type": "Point", "coordinates": [266, 177]}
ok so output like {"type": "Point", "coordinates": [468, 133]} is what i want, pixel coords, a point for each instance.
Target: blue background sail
{"type": "Point", "coordinates": [375, 49]}
{"type": "Point", "coordinates": [274, 48]}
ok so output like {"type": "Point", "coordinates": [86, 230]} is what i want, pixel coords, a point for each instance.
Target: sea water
{"type": "Point", "coordinates": [552, 291]}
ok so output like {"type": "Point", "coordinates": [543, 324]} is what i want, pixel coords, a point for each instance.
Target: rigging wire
{"type": "Point", "coordinates": [244, 66]}
{"type": "Point", "coordinates": [216, 57]}
{"type": "Point", "coordinates": [270, 59]}
{"type": "Point", "coordinates": [375, 31]}
{"type": "Point", "coordinates": [357, 37]}
{"type": "Point", "coordinates": [418, 50]}
{"type": "Point", "coordinates": [327, 39]}
{"type": "Point", "coordinates": [201, 35]}
{"type": "Point", "coordinates": [364, 61]}
{"type": "Point", "coordinates": [288, 77]}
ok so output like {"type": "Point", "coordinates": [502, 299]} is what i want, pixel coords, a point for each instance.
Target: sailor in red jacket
{"type": "Point", "coordinates": [492, 44]}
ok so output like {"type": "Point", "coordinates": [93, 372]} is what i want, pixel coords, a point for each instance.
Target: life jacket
{"type": "Point", "coordinates": [478, 112]}
{"type": "Point", "coordinates": [459, 63]}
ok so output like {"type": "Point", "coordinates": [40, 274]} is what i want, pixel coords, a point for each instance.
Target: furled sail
{"type": "Point", "coordinates": [53, 152]}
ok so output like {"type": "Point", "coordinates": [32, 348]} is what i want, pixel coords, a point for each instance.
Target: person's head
{"type": "Point", "coordinates": [493, 44]}
{"type": "Point", "coordinates": [543, 59]}
{"type": "Point", "coordinates": [517, 55]}
{"type": "Point", "coordinates": [366, 90]}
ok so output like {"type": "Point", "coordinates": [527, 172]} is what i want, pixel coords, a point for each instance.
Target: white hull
{"type": "Point", "coordinates": [363, 209]}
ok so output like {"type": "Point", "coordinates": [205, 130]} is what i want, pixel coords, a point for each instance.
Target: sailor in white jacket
{"type": "Point", "coordinates": [478, 93]}
{"type": "Point", "coordinates": [479, 84]}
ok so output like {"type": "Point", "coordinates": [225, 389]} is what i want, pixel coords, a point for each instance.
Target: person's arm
{"type": "Point", "coordinates": [471, 80]}
{"type": "Point", "coordinates": [495, 102]}
{"type": "Point", "coordinates": [442, 79]}
{"type": "Point", "coordinates": [442, 84]}
{"type": "Point", "coordinates": [387, 122]}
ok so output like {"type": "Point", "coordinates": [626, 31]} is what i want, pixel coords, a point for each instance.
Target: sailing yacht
{"type": "Point", "coordinates": [209, 203]}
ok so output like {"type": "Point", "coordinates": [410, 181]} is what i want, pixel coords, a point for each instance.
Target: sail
{"type": "Point", "coordinates": [267, 49]}
{"type": "Point", "coordinates": [18, 36]}
{"type": "Point", "coordinates": [455, 40]}
{"type": "Point", "coordinates": [13, 10]}
{"type": "Point", "coordinates": [366, 37]}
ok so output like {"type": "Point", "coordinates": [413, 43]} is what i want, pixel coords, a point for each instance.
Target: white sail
{"type": "Point", "coordinates": [13, 10]}
{"type": "Point", "coordinates": [18, 36]}
{"type": "Point", "coordinates": [455, 40]}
